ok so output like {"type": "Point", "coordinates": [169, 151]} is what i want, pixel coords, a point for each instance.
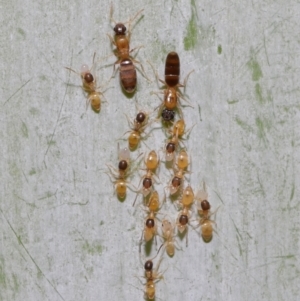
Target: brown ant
{"type": "Point", "coordinates": [205, 222]}
{"type": "Point", "coordinates": [184, 215]}
{"type": "Point", "coordinates": [121, 40]}
{"type": "Point", "coordinates": [182, 163]}
{"type": "Point", "coordinates": [89, 86]}
{"type": "Point", "coordinates": [171, 92]}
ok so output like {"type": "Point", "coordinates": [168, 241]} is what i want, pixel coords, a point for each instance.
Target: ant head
{"type": "Point", "coordinates": [140, 117]}
{"type": "Point", "coordinates": [205, 205]}
{"type": "Point", "coordinates": [148, 265]}
{"type": "Point", "coordinates": [88, 77]}
{"type": "Point", "coordinates": [168, 115]}
{"type": "Point", "coordinates": [120, 29]}
{"type": "Point", "coordinates": [123, 165]}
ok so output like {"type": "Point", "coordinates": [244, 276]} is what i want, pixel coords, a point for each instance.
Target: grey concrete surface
{"type": "Point", "coordinates": [64, 235]}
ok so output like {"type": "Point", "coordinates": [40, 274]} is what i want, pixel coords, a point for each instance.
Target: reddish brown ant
{"type": "Point", "coordinates": [121, 40]}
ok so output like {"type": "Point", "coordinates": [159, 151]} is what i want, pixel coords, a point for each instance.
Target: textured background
{"type": "Point", "coordinates": [64, 236]}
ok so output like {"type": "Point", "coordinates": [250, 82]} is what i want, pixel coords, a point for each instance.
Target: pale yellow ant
{"type": "Point", "coordinates": [89, 85]}
{"type": "Point", "coordinates": [151, 162]}
{"type": "Point", "coordinates": [182, 163]}
{"type": "Point", "coordinates": [152, 277]}
{"type": "Point", "coordinates": [205, 222]}
{"type": "Point", "coordinates": [150, 227]}
{"type": "Point", "coordinates": [184, 215]}
{"type": "Point", "coordinates": [168, 235]}
{"type": "Point", "coordinates": [137, 128]}
{"type": "Point", "coordinates": [121, 40]}
{"type": "Point", "coordinates": [121, 173]}
{"type": "Point", "coordinates": [177, 132]}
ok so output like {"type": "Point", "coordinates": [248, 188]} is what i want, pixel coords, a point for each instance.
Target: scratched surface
{"type": "Point", "coordinates": [64, 235]}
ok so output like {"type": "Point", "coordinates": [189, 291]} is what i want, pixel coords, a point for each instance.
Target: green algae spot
{"type": "Point", "coordinates": [16, 282]}
{"type": "Point", "coordinates": [2, 275]}
{"type": "Point", "coordinates": [21, 32]}
{"type": "Point", "coordinates": [258, 93]}
{"type": "Point", "coordinates": [32, 172]}
{"type": "Point", "coordinates": [92, 249]}
{"type": "Point", "coordinates": [261, 126]}
{"type": "Point", "coordinates": [33, 111]}
{"type": "Point", "coordinates": [24, 130]}
{"type": "Point", "coordinates": [243, 124]}
{"type": "Point", "coordinates": [232, 101]}
{"type": "Point", "coordinates": [219, 49]}
{"type": "Point", "coordinates": [256, 70]}
{"type": "Point", "coordinates": [190, 39]}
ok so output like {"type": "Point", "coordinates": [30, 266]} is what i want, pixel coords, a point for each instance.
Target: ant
{"type": "Point", "coordinates": [89, 86]}
{"type": "Point", "coordinates": [121, 173]}
{"type": "Point", "coordinates": [178, 131]}
{"type": "Point", "coordinates": [205, 222]}
{"type": "Point", "coordinates": [121, 40]}
{"type": "Point", "coordinates": [171, 92]}
{"type": "Point", "coordinates": [168, 236]}
{"type": "Point", "coordinates": [150, 228]}
{"type": "Point", "coordinates": [137, 126]}
{"type": "Point", "coordinates": [152, 276]}
{"type": "Point", "coordinates": [182, 163]}
{"type": "Point", "coordinates": [184, 215]}
{"type": "Point", "coordinates": [151, 163]}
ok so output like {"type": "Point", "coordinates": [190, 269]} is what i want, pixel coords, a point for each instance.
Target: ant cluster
{"type": "Point", "coordinates": [176, 158]}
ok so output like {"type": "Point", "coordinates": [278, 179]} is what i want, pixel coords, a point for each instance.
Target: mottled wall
{"type": "Point", "coordinates": [64, 236]}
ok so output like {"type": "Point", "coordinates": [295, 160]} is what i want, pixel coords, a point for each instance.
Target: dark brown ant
{"type": "Point", "coordinates": [171, 92]}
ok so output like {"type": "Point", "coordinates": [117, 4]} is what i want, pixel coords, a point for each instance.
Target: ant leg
{"type": "Point", "coordinates": [72, 70]}
{"type": "Point", "coordinates": [185, 80]}
{"type": "Point", "coordinates": [111, 39]}
{"type": "Point", "coordinates": [111, 11]}
{"type": "Point", "coordinates": [156, 75]}
{"type": "Point", "coordinates": [130, 22]}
